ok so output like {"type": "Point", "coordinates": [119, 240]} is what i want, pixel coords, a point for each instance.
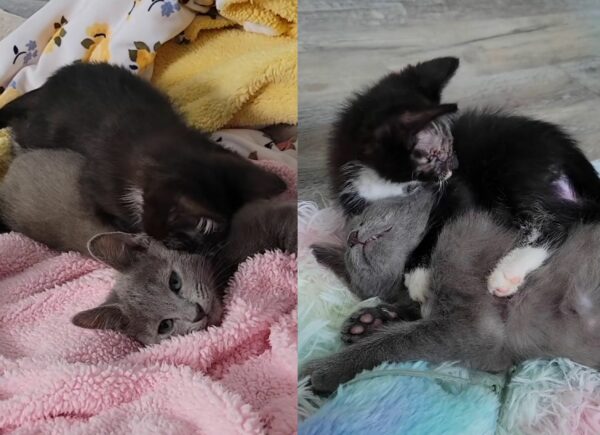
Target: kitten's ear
{"type": "Point", "coordinates": [332, 257]}
{"type": "Point", "coordinates": [251, 182]}
{"type": "Point", "coordinates": [118, 250]}
{"type": "Point", "coordinates": [433, 76]}
{"type": "Point", "coordinates": [106, 316]}
{"type": "Point", "coordinates": [414, 121]}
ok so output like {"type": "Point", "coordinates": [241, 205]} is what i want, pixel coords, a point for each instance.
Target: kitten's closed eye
{"type": "Point", "coordinates": [165, 326]}
{"type": "Point", "coordinates": [175, 282]}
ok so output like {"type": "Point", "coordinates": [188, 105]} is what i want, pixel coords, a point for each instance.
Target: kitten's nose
{"type": "Point", "coordinates": [353, 238]}
{"type": "Point", "coordinates": [200, 313]}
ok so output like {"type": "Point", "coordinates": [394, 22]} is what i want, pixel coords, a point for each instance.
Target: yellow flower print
{"type": "Point", "coordinates": [98, 43]}
{"type": "Point", "coordinates": [142, 56]}
{"type": "Point", "coordinates": [57, 37]}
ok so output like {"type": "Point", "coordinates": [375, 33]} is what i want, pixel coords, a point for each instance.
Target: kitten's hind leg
{"type": "Point", "coordinates": [437, 341]}
{"type": "Point", "coordinates": [510, 273]}
{"type": "Point", "coordinates": [366, 321]}
{"type": "Point", "coordinates": [545, 224]}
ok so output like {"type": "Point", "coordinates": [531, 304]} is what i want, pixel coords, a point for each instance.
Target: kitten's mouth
{"type": "Point", "coordinates": [200, 314]}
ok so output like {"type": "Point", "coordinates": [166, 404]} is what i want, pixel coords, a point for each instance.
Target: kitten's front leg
{"type": "Point", "coordinates": [326, 374]}
{"type": "Point", "coordinates": [418, 283]}
{"type": "Point", "coordinates": [417, 276]}
{"type": "Point", "coordinates": [510, 273]}
{"type": "Point", "coordinates": [366, 321]}
{"type": "Point", "coordinates": [431, 340]}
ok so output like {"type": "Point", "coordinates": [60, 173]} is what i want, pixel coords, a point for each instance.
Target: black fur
{"type": "Point", "coordinates": [131, 135]}
{"type": "Point", "coordinates": [506, 163]}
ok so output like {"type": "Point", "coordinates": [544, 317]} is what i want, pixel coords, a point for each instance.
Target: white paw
{"type": "Point", "coordinates": [418, 282]}
{"type": "Point", "coordinates": [512, 270]}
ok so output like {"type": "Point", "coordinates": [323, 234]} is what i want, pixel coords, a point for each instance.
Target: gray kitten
{"type": "Point", "coordinates": [158, 293]}
{"type": "Point", "coordinates": [142, 304]}
{"type": "Point", "coordinates": [262, 225]}
{"type": "Point", "coordinates": [39, 197]}
{"type": "Point", "coordinates": [378, 245]}
{"type": "Point", "coordinates": [556, 314]}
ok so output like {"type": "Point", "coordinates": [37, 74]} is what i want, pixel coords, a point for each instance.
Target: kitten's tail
{"type": "Point", "coordinates": [17, 109]}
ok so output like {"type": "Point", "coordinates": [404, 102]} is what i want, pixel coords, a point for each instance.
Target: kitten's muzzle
{"type": "Point", "coordinates": [433, 156]}
{"type": "Point", "coordinates": [436, 167]}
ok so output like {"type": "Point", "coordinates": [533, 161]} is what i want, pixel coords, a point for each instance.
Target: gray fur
{"type": "Point", "coordinates": [376, 269]}
{"type": "Point", "coordinates": [262, 225]}
{"type": "Point", "coordinates": [40, 198]}
{"type": "Point", "coordinates": [555, 314]}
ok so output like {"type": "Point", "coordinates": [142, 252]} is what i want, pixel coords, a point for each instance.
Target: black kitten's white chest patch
{"type": "Point", "coordinates": [364, 185]}
{"type": "Point", "coordinates": [371, 186]}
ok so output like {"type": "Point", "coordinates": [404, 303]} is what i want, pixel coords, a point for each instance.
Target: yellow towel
{"type": "Point", "coordinates": [272, 17]}
{"type": "Point", "coordinates": [5, 151]}
{"type": "Point", "coordinates": [229, 77]}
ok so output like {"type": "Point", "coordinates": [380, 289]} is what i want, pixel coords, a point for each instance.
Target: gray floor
{"type": "Point", "coordinates": [22, 8]}
{"type": "Point", "coordinates": [538, 57]}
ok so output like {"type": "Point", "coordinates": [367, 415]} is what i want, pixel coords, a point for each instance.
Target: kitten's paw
{"type": "Point", "coordinates": [502, 285]}
{"type": "Point", "coordinates": [326, 374]}
{"type": "Point", "coordinates": [510, 273]}
{"type": "Point", "coordinates": [365, 321]}
{"type": "Point", "coordinates": [418, 282]}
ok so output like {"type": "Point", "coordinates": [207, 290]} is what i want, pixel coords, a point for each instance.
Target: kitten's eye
{"type": "Point", "coordinates": [175, 282]}
{"type": "Point", "coordinates": [165, 326]}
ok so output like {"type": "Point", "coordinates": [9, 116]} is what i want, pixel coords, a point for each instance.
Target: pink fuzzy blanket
{"type": "Point", "coordinates": [239, 378]}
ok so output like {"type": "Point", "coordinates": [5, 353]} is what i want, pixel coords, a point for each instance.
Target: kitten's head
{"type": "Point", "coordinates": [158, 292]}
{"type": "Point", "coordinates": [398, 126]}
{"type": "Point", "coordinates": [379, 243]}
{"type": "Point", "coordinates": [199, 195]}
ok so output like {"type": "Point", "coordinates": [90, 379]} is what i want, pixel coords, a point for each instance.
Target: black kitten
{"type": "Point", "coordinates": [528, 173]}
{"type": "Point", "coordinates": [145, 168]}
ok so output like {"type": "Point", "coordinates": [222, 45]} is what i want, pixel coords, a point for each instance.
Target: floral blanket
{"type": "Point", "coordinates": [124, 32]}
